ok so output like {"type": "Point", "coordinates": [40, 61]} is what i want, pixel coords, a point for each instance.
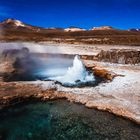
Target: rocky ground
{"type": "Point", "coordinates": [119, 94]}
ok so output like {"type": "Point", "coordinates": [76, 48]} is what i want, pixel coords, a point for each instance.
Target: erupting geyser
{"type": "Point", "coordinates": [75, 75]}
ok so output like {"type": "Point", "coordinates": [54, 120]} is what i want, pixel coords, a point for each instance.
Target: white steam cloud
{"type": "Point", "coordinates": [33, 47]}
{"type": "Point", "coordinates": [63, 69]}
{"type": "Point", "coordinates": [75, 74]}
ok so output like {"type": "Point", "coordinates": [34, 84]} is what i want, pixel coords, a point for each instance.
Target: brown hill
{"type": "Point", "coordinates": [13, 30]}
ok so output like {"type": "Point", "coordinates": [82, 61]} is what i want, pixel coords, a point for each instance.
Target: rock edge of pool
{"type": "Point", "coordinates": [14, 93]}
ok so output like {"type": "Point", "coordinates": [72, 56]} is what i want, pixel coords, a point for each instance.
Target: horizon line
{"type": "Point", "coordinates": [68, 26]}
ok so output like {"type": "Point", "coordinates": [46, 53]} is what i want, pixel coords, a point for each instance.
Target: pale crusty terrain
{"type": "Point", "coordinates": [120, 96]}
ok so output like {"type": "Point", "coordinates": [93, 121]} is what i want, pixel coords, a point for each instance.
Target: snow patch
{"type": "Point", "coordinates": [19, 23]}
{"type": "Point", "coordinates": [102, 28]}
{"type": "Point", "coordinates": [73, 29]}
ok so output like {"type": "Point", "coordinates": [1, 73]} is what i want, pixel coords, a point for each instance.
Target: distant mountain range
{"type": "Point", "coordinates": [16, 24]}
{"type": "Point", "coordinates": [13, 30]}
{"type": "Point", "coordinates": [13, 24]}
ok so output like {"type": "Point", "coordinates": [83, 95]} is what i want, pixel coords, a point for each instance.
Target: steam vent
{"type": "Point", "coordinates": [66, 74]}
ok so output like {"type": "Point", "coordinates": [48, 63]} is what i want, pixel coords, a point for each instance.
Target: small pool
{"type": "Point", "coordinates": [62, 120]}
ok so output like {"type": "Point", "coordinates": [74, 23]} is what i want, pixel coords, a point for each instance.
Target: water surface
{"type": "Point", "coordinates": [62, 120]}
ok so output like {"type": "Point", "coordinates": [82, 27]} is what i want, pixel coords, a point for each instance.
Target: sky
{"type": "Point", "coordinates": [86, 14]}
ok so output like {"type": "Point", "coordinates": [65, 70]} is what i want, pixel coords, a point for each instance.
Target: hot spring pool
{"type": "Point", "coordinates": [62, 120]}
{"type": "Point", "coordinates": [74, 74]}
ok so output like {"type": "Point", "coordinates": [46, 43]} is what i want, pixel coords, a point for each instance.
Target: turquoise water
{"type": "Point", "coordinates": [62, 120]}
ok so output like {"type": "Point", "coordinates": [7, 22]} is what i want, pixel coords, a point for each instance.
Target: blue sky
{"type": "Point", "coordinates": [122, 14]}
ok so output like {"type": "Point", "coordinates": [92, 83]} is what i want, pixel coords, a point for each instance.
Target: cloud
{"type": "Point", "coordinates": [4, 11]}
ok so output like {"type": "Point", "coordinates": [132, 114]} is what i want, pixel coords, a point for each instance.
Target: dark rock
{"type": "Point", "coordinates": [119, 56]}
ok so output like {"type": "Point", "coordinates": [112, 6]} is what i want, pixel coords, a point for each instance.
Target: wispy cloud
{"type": "Point", "coordinates": [4, 11]}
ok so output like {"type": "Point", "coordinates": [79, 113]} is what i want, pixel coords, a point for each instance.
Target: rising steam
{"type": "Point", "coordinates": [75, 74]}
{"type": "Point", "coordinates": [38, 64]}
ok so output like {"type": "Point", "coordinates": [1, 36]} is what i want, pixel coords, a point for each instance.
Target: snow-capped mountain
{"type": "Point", "coordinates": [13, 24]}
{"type": "Point", "coordinates": [74, 29]}
{"type": "Point", "coordinates": [17, 25]}
{"type": "Point", "coordinates": [136, 30]}
{"type": "Point", "coordinates": [103, 28]}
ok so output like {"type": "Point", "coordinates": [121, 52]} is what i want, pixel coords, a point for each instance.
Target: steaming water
{"type": "Point", "coordinates": [75, 74]}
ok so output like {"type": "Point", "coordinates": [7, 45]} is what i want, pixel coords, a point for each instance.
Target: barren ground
{"type": "Point", "coordinates": [120, 96]}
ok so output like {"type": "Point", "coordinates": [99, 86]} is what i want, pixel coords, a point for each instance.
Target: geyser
{"type": "Point", "coordinates": [74, 75]}
{"type": "Point", "coordinates": [60, 68]}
